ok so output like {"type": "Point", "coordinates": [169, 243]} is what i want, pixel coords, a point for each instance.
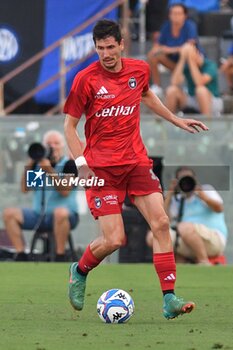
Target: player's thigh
{"type": "Point", "coordinates": [152, 208]}
{"type": "Point", "coordinates": [112, 227]}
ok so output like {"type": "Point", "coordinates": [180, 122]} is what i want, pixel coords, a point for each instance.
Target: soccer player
{"type": "Point", "coordinates": [109, 92]}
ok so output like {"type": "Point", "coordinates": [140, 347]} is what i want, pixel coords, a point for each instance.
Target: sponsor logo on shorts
{"type": "Point", "coordinates": [98, 202]}
{"type": "Point", "coordinates": [132, 83]}
{"type": "Point", "coordinates": [111, 199]}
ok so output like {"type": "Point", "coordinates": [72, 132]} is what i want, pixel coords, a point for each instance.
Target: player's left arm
{"type": "Point", "coordinates": [154, 103]}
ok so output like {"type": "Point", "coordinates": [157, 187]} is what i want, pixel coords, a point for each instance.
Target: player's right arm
{"type": "Point", "coordinates": [72, 138]}
{"type": "Point", "coordinates": [76, 146]}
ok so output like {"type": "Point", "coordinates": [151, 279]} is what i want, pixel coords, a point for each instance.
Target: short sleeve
{"type": "Point", "coordinates": [76, 101]}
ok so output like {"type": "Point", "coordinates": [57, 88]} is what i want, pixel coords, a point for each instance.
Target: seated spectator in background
{"type": "Point", "coordinates": [58, 213]}
{"type": "Point", "coordinates": [175, 32]}
{"type": "Point", "coordinates": [201, 75]}
{"type": "Point", "coordinates": [196, 215]}
{"type": "Point", "coordinates": [156, 12]}
{"type": "Point", "coordinates": [227, 69]}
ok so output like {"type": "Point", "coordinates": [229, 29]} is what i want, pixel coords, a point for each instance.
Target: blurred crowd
{"type": "Point", "coordinates": [172, 28]}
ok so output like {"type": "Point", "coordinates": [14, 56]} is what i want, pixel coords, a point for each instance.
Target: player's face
{"type": "Point", "coordinates": [109, 52]}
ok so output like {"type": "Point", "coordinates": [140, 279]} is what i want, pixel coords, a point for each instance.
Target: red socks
{"type": "Point", "coordinates": [88, 261]}
{"type": "Point", "coordinates": [165, 267]}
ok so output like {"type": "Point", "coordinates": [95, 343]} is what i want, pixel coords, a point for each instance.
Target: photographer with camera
{"type": "Point", "coordinates": [197, 218]}
{"type": "Point", "coordinates": [54, 208]}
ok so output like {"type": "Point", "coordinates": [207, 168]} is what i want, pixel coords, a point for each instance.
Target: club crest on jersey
{"type": "Point", "coordinates": [98, 202]}
{"type": "Point", "coordinates": [132, 83]}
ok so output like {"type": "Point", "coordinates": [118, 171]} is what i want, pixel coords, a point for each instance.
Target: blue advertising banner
{"type": "Point", "coordinates": [60, 18]}
{"type": "Point", "coordinates": [33, 27]}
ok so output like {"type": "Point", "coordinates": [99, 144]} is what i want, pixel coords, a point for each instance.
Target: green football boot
{"type": "Point", "coordinates": [174, 306]}
{"type": "Point", "coordinates": [77, 286]}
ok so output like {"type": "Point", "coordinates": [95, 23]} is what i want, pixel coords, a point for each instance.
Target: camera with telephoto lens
{"type": "Point", "coordinates": [186, 184]}
{"type": "Point", "coordinates": [37, 152]}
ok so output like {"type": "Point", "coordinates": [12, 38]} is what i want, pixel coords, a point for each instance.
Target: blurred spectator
{"type": "Point", "coordinates": [196, 215]}
{"type": "Point", "coordinates": [156, 12]}
{"type": "Point", "coordinates": [201, 76]}
{"type": "Point", "coordinates": [175, 32]}
{"type": "Point", "coordinates": [227, 69]}
{"type": "Point", "coordinates": [54, 208]}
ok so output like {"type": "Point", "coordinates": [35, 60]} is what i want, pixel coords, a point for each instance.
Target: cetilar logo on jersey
{"type": "Point", "coordinates": [104, 94]}
{"type": "Point", "coordinates": [35, 178]}
{"type": "Point", "coordinates": [115, 111]}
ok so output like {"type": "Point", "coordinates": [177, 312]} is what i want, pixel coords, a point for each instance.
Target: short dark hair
{"type": "Point", "coordinates": [185, 9]}
{"type": "Point", "coordinates": [105, 28]}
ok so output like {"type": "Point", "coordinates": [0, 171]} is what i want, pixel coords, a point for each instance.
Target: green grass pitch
{"type": "Point", "coordinates": [35, 313]}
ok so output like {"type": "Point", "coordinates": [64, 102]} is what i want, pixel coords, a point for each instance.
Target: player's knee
{"type": "Point", "coordinates": [160, 225]}
{"type": "Point", "coordinates": [115, 243]}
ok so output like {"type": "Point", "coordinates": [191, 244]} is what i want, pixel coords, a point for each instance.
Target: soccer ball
{"type": "Point", "coordinates": [115, 306]}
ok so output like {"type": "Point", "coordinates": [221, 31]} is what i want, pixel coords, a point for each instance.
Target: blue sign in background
{"type": "Point", "coordinates": [60, 18]}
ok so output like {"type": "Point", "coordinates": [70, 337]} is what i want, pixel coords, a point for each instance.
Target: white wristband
{"type": "Point", "coordinates": [80, 161]}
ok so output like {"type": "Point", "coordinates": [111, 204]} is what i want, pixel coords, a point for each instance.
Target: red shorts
{"type": "Point", "coordinates": [133, 180]}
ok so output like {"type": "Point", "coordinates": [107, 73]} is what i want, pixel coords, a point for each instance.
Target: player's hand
{"type": "Point", "coordinates": [191, 125]}
{"type": "Point", "coordinates": [84, 172]}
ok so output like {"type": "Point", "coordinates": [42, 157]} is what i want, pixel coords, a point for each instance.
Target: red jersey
{"type": "Point", "coordinates": [111, 103]}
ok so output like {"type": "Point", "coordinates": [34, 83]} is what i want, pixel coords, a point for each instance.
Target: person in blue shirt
{"type": "Point", "coordinates": [201, 77]}
{"type": "Point", "coordinates": [174, 33]}
{"type": "Point", "coordinates": [54, 208]}
{"type": "Point", "coordinates": [202, 231]}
